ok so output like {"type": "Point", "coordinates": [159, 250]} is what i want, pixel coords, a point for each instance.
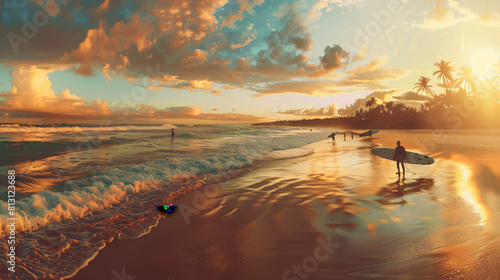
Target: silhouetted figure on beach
{"type": "Point", "coordinates": [345, 136]}
{"type": "Point", "coordinates": [173, 133]}
{"type": "Point", "coordinates": [352, 135]}
{"type": "Point", "coordinates": [400, 157]}
{"type": "Point", "coordinates": [333, 136]}
{"type": "Point", "coordinates": [371, 134]}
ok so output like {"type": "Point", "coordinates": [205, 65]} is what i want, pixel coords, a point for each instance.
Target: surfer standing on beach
{"type": "Point", "coordinates": [400, 156]}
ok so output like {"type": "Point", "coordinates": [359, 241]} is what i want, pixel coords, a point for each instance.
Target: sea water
{"type": "Point", "coordinates": [80, 186]}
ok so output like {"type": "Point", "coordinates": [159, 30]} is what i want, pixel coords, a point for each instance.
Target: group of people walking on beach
{"type": "Point", "coordinates": [399, 154]}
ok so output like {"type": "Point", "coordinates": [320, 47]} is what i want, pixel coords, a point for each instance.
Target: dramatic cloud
{"type": "Point", "coordinates": [373, 73]}
{"type": "Point", "coordinates": [329, 111]}
{"type": "Point", "coordinates": [381, 96]}
{"type": "Point", "coordinates": [195, 45]}
{"type": "Point", "coordinates": [410, 96]}
{"type": "Point", "coordinates": [442, 16]}
{"type": "Point", "coordinates": [205, 85]}
{"type": "Point", "coordinates": [32, 96]}
{"type": "Point", "coordinates": [103, 49]}
{"type": "Point", "coordinates": [32, 92]}
{"type": "Point", "coordinates": [245, 6]}
{"type": "Point", "coordinates": [311, 87]}
{"type": "Point", "coordinates": [335, 57]}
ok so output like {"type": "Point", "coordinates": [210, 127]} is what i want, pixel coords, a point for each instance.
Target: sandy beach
{"type": "Point", "coordinates": [338, 213]}
{"type": "Point", "coordinates": [110, 111]}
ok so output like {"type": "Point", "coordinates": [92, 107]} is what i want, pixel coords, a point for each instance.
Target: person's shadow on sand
{"type": "Point", "coordinates": [399, 189]}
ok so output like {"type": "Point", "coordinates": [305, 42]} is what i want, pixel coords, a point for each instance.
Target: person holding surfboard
{"type": "Point", "coordinates": [400, 156]}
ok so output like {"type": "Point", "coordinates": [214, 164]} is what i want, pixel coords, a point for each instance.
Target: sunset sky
{"type": "Point", "coordinates": [210, 61]}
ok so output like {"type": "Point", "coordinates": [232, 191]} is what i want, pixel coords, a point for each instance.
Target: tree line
{"type": "Point", "coordinates": [460, 99]}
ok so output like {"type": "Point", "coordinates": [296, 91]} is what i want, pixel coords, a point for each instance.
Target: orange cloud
{"type": "Point", "coordinates": [372, 73]}
{"type": "Point", "coordinates": [103, 7]}
{"type": "Point", "coordinates": [328, 111]}
{"type": "Point", "coordinates": [32, 92]}
{"type": "Point", "coordinates": [171, 16]}
{"type": "Point", "coordinates": [442, 16]}
{"type": "Point", "coordinates": [360, 103]}
{"type": "Point", "coordinates": [216, 92]}
{"type": "Point", "coordinates": [245, 6]}
{"type": "Point", "coordinates": [100, 48]}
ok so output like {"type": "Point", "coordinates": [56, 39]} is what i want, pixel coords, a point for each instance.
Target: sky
{"type": "Point", "coordinates": [229, 61]}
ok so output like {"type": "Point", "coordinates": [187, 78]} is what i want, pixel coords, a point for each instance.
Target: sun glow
{"type": "Point", "coordinates": [482, 61]}
{"type": "Point", "coordinates": [469, 192]}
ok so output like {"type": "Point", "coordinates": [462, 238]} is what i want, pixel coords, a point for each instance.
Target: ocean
{"type": "Point", "coordinates": [79, 187]}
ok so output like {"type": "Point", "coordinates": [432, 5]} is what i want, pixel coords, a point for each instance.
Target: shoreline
{"type": "Point", "coordinates": [115, 247]}
{"type": "Point", "coordinates": [174, 246]}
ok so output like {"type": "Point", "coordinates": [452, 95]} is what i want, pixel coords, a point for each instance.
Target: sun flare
{"type": "Point", "coordinates": [482, 61]}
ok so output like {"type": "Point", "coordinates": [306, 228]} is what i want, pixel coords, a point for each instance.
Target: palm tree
{"type": "Point", "coordinates": [422, 108]}
{"type": "Point", "coordinates": [445, 73]}
{"type": "Point", "coordinates": [467, 79]}
{"type": "Point", "coordinates": [389, 106]}
{"type": "Point", "coordinates": [496, 72]}
{"type": "Point", "coordinates": [423, 85]}
{"type": "Point", "coordinates": [371, 103]}
{"type": "Point", "coordinates": [491, 90]}
{"type": "Point", "coordinates": [448, 98]}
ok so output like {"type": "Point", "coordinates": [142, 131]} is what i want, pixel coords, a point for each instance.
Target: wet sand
{"type": "Point", "coordinates": [339, 213]}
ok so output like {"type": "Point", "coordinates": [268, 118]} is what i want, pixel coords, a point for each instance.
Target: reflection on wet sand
{"type": "Point", "coordinates": [429, 225]}
{"type": "Point", "coordinates": [400, 189]}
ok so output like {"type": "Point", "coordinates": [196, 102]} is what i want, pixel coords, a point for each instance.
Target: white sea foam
{"type": "Point", "coordinates": [115, 200]}
{"type": "Point", "coordinates": [291, 153]}
{"type": "Point", "coordinates": [15, 128]}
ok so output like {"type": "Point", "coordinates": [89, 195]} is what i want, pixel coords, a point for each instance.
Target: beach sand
{"type": "Point", "coordinates": [339, 213]}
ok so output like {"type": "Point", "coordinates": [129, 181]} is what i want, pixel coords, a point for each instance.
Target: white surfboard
{"type": "Point", "coordinates": [411, 157]}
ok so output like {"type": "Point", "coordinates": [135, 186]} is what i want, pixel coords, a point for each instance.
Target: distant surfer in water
{"type": "Point", "coordinates": [400, 157]}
